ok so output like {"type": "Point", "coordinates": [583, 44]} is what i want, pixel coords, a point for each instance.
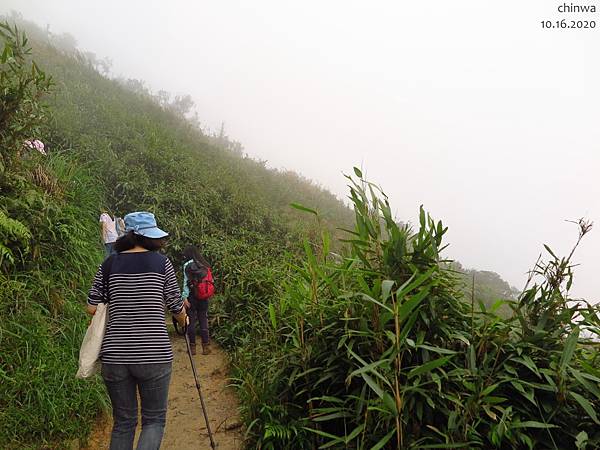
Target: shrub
{"type": "Point", "coordinates": [378, 349]}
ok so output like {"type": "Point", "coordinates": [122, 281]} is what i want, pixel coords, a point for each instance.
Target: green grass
{"type": "Point", "coordinates": [41, 309]}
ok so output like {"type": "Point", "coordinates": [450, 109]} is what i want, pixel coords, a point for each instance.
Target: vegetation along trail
{"type": "Point", "coordinates": [345, 326]}
{"type": "Point", "coordinates": [185, 427]}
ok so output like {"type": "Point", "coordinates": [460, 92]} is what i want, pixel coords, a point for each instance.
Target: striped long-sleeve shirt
{"type": "Point", "coordinates": [139, 287]}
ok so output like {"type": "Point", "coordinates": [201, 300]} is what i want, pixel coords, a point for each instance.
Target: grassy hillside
{"type": "Point", "coordinates": [111, 147]}
{"type": "Point", "coordinates": [370, 346]}
{"type": "Point", "coordinates": [48, 253]}
{"type": "Point", "coordinates": [485, 289]}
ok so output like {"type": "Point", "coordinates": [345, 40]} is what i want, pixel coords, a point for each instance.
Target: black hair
{"type": "Point", "coordinates": [129, 240]}
{"type": "Point", "coordinates": [192, 252]}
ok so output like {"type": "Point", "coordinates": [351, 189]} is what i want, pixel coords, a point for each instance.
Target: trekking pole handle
{"type": "Point", "coordinates": [176, 325]}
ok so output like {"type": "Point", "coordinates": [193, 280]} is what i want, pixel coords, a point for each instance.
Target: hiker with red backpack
{"type": "Point", "coordinates": [198, 288]}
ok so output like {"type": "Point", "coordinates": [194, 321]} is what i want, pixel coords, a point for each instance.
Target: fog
{"type": "Point", "coordinates": [470, 108]}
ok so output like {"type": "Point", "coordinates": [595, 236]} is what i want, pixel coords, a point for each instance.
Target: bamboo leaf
{"type": "Point", "coordinates": [472, 359]}
{"type": "Point", "coordinates": [411, 303]}
{"type": "Point", "coordinates": [590, 387]}
{"type": "Point", "coordinates": [326, 242]}
{"type": "Point", "coordinates": [533, 424]}
{"type": "Point", "coordinates": [453, 445]}
{"type": "Point", "coordinates": [586, 405]}
{"type": "Point", "coordinates": [312, 260]}
{"type": "Point", "coordinates": [336, 439]}
{"type": "Point", "coordinates": [384, 440]}
{"type": "Point", "coordinates": [326, 398]}
{"type": "Point", "coordinates": [528, 362]}
{"type": "Point", "coordinates": [428, 367]}
{"type": "Point", "coordinates": [421, 216]}
{"type": "Point", "coordinates": [581, 440]}
{"type": "Point", "coordinates": [371, 299]}
{"type": "Point", "coordinates": [493, 400]}
{"type": "Point", "coordinates": [373, 385]}
{"type": "Point", "coordinates": [414, 282]}
{"type": "Point", "coordinates": [569, 349]}
{"type": "Point", "coordinates": [369, 368]}
{"type": "Point", "coordinates": [364, 363]}
{"type": "Point", "coordinates": [390, 403]}
{"type": "Point", "coordinates": [331, 416]}
{"type": "Point", "coordinates": [348, 231]}
{"type": "Point", "coordinates": [550, 251]}
{"type": "Point", "coordinates": [489, 390]}
{"type": "Point", "coordinates": [386, 287]}
{"type": "Point", "coordinates": [408, 327]}
{"type": "Point", "coordinates": [527, 393]}
{"type": "Point", "coordinates": [304, 208]}
{"type": "Point", "coordinates": [355, 432]}
{"type": "Point", "coordinates": [441, 351]}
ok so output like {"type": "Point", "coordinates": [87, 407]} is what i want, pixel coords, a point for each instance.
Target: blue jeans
{"type": "Point", "coordinates": [123, 381]}
{"type": "Point", "coordinates": [108, 249]}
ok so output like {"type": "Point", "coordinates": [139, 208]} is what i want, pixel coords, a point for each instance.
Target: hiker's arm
{"type": "Point", "coordinates": [96, 294]}
{"type": "Point", "coordinates": [172, 294]}
{"type": "Point", "coordinates": [185, 290]}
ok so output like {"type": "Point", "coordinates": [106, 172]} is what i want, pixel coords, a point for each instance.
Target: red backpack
{"type": "Point", "coordinates": [200, 281]}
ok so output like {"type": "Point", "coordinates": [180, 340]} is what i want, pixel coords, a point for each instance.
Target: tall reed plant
{"type": "Point", "coordinates": [377, 348]}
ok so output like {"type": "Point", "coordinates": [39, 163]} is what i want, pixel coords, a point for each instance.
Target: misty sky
{"type": "Point", "coordinates": [467, 107]}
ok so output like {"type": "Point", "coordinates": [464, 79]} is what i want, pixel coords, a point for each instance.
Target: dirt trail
{"type": "Point", "coordinates": [186, 429]}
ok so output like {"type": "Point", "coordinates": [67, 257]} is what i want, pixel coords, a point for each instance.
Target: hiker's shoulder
{"type": "Point", "coordinates": [108, 262]}
{"type": "Point", "coordinates": [158, 258]}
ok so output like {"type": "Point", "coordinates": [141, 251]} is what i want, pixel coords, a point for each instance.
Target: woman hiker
{"type": "Point", "coordinates": [136, 352]}
{"type": "Point", "coordinates": [108, 232]}
{"type": "Point", "coordinates": [198, 287]}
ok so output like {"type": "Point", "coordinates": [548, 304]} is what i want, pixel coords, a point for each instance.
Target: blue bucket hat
{"type": "Point", "coordinates": [144, 224]}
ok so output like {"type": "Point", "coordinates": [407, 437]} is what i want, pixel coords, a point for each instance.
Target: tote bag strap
{"type": "Point", "coordinates": [106, 268]}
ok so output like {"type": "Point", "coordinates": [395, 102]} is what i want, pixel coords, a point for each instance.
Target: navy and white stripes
{"type": "Point", "coordinates": [139, 286]}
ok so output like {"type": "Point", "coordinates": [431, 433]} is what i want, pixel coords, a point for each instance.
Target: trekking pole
{"type": "Point", "coordinates": [187, 343]}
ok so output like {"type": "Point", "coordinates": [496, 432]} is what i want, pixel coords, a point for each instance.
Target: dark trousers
{"type": "Point", "coordinates": [122, 382]}
{"type": "Point", "coordinates": [198, 312]}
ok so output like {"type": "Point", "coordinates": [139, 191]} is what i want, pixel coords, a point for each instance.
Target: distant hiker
{"type": "Point", "coordinates": [198, 288]}
{"type": "Point", "coordinates": [108, 231]}
{"type": "Point", "coordinates": [119, 226]}
{"type": "Point", "coordinates": [137, 282]}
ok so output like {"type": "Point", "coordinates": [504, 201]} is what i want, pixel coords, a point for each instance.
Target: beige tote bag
{"type": "Point", "coordinates": [89, 354]}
